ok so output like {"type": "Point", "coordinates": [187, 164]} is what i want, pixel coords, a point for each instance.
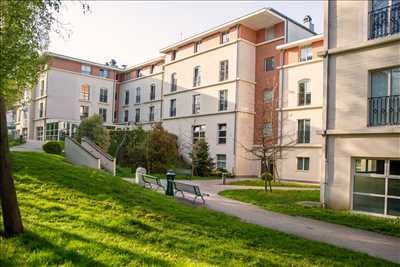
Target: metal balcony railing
{"type": "Point", "coordinates": [384, 110]}
{"type": "Point", "coordinates": [384, 21]}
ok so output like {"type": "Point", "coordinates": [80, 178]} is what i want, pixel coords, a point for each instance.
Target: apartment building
{"type": "Point", "coordinates": [214, 80]}
{"type": "Point", "coordinates": [210, 85]}
{"type": "Point", "coordinates": [139, 94]}
{"type": "Point", "coordinates": [300, 109]}
{"type": "Point", "coordinates": [69, 91]}
{"type": "Point", "coordinates": [362, 106]}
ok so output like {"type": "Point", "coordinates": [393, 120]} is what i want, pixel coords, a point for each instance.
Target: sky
{"type": "Point", "coordinates": [132, 32]}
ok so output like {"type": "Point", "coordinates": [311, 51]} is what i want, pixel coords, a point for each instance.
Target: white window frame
{"type": "Point", "coordinates": [219, 131]}
{"type": "Point", "coordinates": [307, 91]}
{"type": "Point", "coordinates": [151, 113]}
{"type": "Point", "coordinates": [223, 100]}
{"type": "Point", "coordinates": [196, 76]}
{"type": "Point", "coordinates": [86, 69]}
{"type": "Point", "coordinates": [267, 129]}
{"type": "Point", "coordinates": [103, 114]}
{"type": "Point", "coordinates": [137, 115]}
{"type": "Point", "coordinates": [385, 176]}
{"type": "Point", "coordinates": [303, 165]}
{"type": "Point", "coordinates": [219, 161]}
{"type": "Point", "coordinates": [306, 53]}
{"type": "Point", "coordinates": [303, 140]}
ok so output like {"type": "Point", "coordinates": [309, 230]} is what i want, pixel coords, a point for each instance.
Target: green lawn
{"type": "Point", "coordinates": [285, 201]}
{"type": "Point", "coordinates": [75, 216]}
{"type": "Point", "coordinates": [259, 182]}
{"type": "Point", "coordinates": [15, 142]}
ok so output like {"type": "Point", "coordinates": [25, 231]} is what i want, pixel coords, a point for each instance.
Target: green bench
{"type": "Point", "coordinates": [152, 181]}
{"type": "Point", "coordinates": [189, 188]}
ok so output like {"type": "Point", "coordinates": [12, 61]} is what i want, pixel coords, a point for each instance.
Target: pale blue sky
{"type": "Point", "coordinates": [132, 32]}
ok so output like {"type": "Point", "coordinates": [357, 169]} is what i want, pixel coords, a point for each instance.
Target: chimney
{"type": "Point", "coordinates": [307, 22]}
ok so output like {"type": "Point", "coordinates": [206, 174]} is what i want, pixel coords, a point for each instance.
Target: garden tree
{"type": "Point", "coordinates": [201, 160]}
{"type": "Point", "coordinates": [269, 140]}
{"type": "Point", "coordinates": [93, 129]}
{"type": "Point", "coordinates": [161, 149]}
{"type": "Point", "coordinates": [134, 152]}
{"type": "Point", "coordinates": [24, 34]}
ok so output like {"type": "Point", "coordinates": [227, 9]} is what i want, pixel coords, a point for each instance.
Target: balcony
{"type": "Point", "coordinates": [384, 110]}
{"type": "Point", "coordinates": [384, 21]}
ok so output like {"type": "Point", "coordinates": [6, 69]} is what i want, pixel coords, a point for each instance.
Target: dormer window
{"type": "Point", "coordinates": [85, 69]}
{"type": "Point", "coordinates": [173, 55]}
{"type": "Point", "coordinates": [305, 53]}
{"type": "Point", "coordinates": [224, 37]}
{"type": "Point", "coordinates": [197, 46]}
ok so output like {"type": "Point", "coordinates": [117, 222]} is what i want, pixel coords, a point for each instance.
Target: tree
{"type": "Point", "coordinates": [269, 140]}
{"type": "Point", "coordinates": [24, 30]}
{"type": "Point", "coordinates": [93, 129]}
{"type": "Point", "coordinates": [161, 149]}
{"type": "Point", "coordinates": [201, 161]}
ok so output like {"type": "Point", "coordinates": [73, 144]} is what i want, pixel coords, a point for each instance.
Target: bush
{"type": "Point", "coordinates": [201, 160]}
{"type": "Point", "coordinates": [53, 147]}
{"type": "Point", "coordinates": [267, 176]}
{"type": "Point", "coordinates": [93, 129]}
{"type": "Point", "coordinates": [219, 171]}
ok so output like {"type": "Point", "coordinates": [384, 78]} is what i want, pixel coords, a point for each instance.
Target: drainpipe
{"type": "Point", "coordinates": [325, 167]}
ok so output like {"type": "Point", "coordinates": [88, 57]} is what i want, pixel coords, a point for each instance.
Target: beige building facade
{"type": "Point", "coordinates": [300, 108]}
{"type": "Point", "coordinates": [362, 106]}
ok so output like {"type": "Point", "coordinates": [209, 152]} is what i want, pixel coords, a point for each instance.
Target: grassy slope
{"type": "Point", "coordinates": [284, 201]}
{"type": "Point", "coordinates": [78, 216]}
{"type": "Point", "coordinates": [259, 182]}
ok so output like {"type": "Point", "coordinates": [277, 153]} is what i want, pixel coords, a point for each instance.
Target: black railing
{"type": "Point", "coordinates": [384, 21]}
{"type": "Point", "coordinates": [384, 110]}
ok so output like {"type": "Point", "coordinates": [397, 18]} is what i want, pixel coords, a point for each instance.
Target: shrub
{"type": "Point", "coordinates": [201, 160]}
{"type": "Point", "coordinates": [93, 129]}
{"type": "Point", "coordinates": [267, 176]}
{"type": "Point", "coordinates": [53, 147]}
{"type": "Point", "coordinates": [219, 171]}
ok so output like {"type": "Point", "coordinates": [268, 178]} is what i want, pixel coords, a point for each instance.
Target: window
{"type": "Point", "coordinates": [85, 69]}
{"type": "Point", "coordinates": [304, 93]}
{"type": "Point", "coordinates": [152, 91]}
{"type": "Point", "coordinates": [126, 97]}
{"type": "Point", "coordinates": [138, 91]}
{"type": "Point", "coordinates": [173, 55]}
{"type": "Point", "coordinates": [305, 53]}
{"type": "Point", "coordinates": [152, 67]}
{"type": "Point", "coordinates": [42, 88]}
{"type": "Point", "coordinates": [85, 92]}
{"type": "Point", "coordinates": [39, 133]}
{"type": "Point", "coordinates": [223, 100]}
{"type": "Point", "coordinates": [268, 94]}
{"type": "Point", "coordinates": [41, 110]}
{"type": "Point", "coordinates": [376, 186]}
{"type": "Point", "coordinates": [270, 33]}
{"type": "Point", "coordinates": [197, 46]}
{"type": "Point", "coordinates": [384, 100]}
{"type": "Point", "coordinates": [103, 95]}
{"type": "Point", "coordinates": [222, 133]}
{"type": "Point", "coordinates": [269, 64]}
{"type": "Point", "coordinates": [224, 37]}
{"type": "Point", "coordinates": [172, 108]}
{"type": "Point", "coordinates": [303, 131]}
{"type": "Point", "coordinates": [221, 161]}
{"type": "Point", "coordinates": [267, 130]}
{"type": "Point", "coordinates": [52, 131]}
{"type": "Point", "coordinates": [103, 73]}
{"type": "Point", "coordinates": [196, 76]}
{"type": "Point", "coordinates": [199, 132]}
{"type": "Point", "coordinates": [303, 164]}
{"type": "Point", "coordinates": [103, 114]}
{"type": "Point", "coordinates": [151, 113]}
{"type": "Point", "coordinates": [196, 104]}
{"type": "Point", "coordinates": [126, 115]}
{"type": "Point", "coordinates": [173, 82]}
{"type": "Point", "coordinates": [84, 112]}
{"type": "Point", "coordinates": [139, 73]}
{"type": "Point", "coordinates": [223, 70]}
{"type": "Point", "coordinates": [137, 115]}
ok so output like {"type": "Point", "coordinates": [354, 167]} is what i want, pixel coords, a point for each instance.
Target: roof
{"type": "Point", "coordinates": [304, 41]}
{"type": "Point", "coordinates": [81, 60]}
{"type": "Point", "coordinates": [254, 20]}
{"type": "Point", "coordinates": [147, 62]}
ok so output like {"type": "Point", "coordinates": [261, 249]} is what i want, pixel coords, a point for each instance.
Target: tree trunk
{"type": "Point", "coordinates": [11, 215]}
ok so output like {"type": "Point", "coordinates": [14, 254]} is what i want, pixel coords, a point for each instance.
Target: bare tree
{"type": "Point", "coordinates": [269, 140]}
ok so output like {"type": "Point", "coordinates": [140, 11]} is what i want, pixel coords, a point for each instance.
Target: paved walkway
{"type": "Point", "coordinates": [30, 145]}
{"type": "Point", "coordinates": [374, 244]}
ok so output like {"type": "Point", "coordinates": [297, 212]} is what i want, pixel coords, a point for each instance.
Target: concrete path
{"type": "Point", "coordinates": [377, 245]}
{"type": "Point", "coordinates": [30, 145]}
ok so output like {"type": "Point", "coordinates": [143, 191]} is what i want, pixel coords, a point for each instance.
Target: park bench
{"type": "Point", "coordinates": [152, 180]}
{"type": "Point", "coordinates": [189, 188]}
